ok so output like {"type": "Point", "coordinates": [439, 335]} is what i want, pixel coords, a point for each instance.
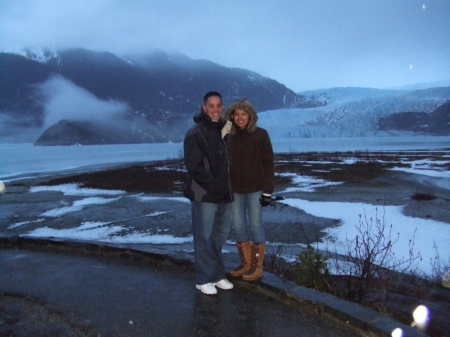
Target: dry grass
{"type": "Point", "coordinates": [157, 177]}
{"type": "Point", "coordinates": [329, 166]}
{"type": "Point", "coordinates": [357, 166]}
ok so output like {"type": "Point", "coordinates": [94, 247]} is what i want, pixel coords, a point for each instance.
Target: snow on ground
{"type": "Point", "coordinates": [305, 183]}
{"type": "Point", "coordinates": [77, 205]}
{"type": "Point", "coordinates": [425, 170]}
{"type": "Point", "coordinates": [429, 168]}
{"type": "Point", "coordinates": [102, 231]}
{"type": "Point", "coordinates": [18, 224]}
{"type": "Point", "coordinates": [98, 231]}
{"type": "Point", "coordinates": [75, 190]}
{"type": "Point", "coordinates": [44, 159]}
{"type": "Point", "coordinates": [424, 232]}
{"type": "Point", "coordinates": [143, 198]}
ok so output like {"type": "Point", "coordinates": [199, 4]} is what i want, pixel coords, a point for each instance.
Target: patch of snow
{"type": "Point", "coordinates": [102, 231]}
{"type": "Point", "coordinates": [305, 183]}
{"type": "Point", "coordinates": [18, 224]}
{"type": "Point", "coordinates": [427, 231]}
{"type": "Point", "coordinates": [74, 190]}
{"type": "Point", "coordinates": [78, 205]}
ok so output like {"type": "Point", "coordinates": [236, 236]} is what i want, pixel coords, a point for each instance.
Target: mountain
{"type": "Point", "coordinates": [158, 92]}
{"type": "Point", "coordinates": [18, 78]}
{"type": "Point", "coordinates": [361, 112]}
{"type": "Point", "coordinates": [79, 96]}
{"type": "Point", "coordinates": [435, 123]}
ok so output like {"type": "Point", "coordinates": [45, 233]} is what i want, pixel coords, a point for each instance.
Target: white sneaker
{"type": "Point", "coordinates": [207, 288]}
{"type": "Point", "coordinates": [224, 284]}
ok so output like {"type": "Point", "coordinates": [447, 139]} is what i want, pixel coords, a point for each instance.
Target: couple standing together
{"type": "Point", "coordinates": [229, 163]}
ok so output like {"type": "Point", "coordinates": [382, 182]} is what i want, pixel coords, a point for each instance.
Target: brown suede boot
{"type": "Point", "coordinates": [244, 256]}
{"type": "Point", "coordinates": [256, 262]}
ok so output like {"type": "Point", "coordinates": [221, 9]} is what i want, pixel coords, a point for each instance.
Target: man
{"type": "Point", "coordinates": [206, 156]}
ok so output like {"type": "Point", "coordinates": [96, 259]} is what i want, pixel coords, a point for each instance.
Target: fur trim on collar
{"type": "Point", "coordinates": [247, 107]}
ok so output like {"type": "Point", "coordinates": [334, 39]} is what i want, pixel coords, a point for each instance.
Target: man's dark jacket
{"type": "Point", "coordinates": [207, 160]}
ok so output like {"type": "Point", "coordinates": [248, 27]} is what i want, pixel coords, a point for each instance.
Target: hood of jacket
{"type": "Point", "coordinates": [247, 107]}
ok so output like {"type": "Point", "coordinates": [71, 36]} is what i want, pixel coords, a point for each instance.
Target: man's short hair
{"type": "Point", "coordinates": [211, 94]}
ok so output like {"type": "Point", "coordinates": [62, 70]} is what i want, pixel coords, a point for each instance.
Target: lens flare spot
{"type": "Point", "coordinates": [423, 7]}
{"type": "Point", "coordinates": [420, 315]}
{"type": "Point", "coordinates": [446, 279]}
{"type": "Point", "coordinates": [410, 67]}
{"type": "Point", "coordinates": [397, 333]}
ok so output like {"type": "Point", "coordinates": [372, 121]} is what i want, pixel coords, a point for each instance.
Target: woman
{"type": "Point", "coordinates": [252, 179]}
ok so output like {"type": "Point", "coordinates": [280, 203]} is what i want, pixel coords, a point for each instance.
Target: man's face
{"type": "Point", "coordinates": [213, 107]}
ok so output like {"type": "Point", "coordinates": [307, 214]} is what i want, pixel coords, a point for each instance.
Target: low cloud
{"type": "Point", "coordinates": [65, 100]}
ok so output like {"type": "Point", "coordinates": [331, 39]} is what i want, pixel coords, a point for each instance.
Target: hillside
{"type": "Point", "coordinates": [158, 94]}
{"type": "Point", "coordinates": [79, 96]}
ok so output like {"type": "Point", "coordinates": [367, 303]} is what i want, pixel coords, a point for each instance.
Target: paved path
{"type": "Point", "coordinates": [104, 296]}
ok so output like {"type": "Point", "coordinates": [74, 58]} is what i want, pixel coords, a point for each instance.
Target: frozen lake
{"type": "Point", "coordinates": [19, 160]}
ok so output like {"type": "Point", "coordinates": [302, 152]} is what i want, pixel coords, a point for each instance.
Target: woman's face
{"type": "Point", "coordinates": [241, 118]}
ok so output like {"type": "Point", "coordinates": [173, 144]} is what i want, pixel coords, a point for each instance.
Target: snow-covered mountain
{"type": "Point", "coordinates": [358, 112]}
{"type": "Point", "coordinates": [34, 54]}
{"type": "Point", "coordinates": [79, 96]}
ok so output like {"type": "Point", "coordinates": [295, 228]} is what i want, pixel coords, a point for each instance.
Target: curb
{"type": "Point", "coordinates": [323, 304]}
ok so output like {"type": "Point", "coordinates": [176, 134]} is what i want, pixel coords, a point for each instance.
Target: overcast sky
{"type": "Point", "coordinates": [304, 44]}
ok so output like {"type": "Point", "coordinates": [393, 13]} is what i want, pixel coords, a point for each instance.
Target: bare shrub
{"type": "Point", "coordinates": [362, 154]}
{"type": "Point", "coordinates": [439, 268]}
{"type": "Point", "coordinates": [370, 262]}
{"type": "Point", "coordinates": [367, 272]}
{"type": "Point", "coordinates": [275, 262]}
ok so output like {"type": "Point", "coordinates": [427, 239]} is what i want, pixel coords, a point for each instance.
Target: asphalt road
{"type": "Point", "coordinates": [102, 296]}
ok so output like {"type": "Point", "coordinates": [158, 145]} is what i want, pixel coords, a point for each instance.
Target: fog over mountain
{"type": "Point", "coordinates": [68, 101]}
{"type": "Point", "coordinates": [78, 96]}
{"type": "Point", "coordinates": [302, 44]}
{"type": "Point", "coordinates": [84, 96]}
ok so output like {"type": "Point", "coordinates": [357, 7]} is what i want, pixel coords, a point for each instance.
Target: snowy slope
{"type": "Point", "coordinates": [35, 54]}
{"type": "Point", "coordinates": [350, 112]}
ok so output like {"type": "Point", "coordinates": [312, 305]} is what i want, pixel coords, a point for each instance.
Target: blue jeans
{"type": "Point", "coordinates": [248, 206]}
{"type": "Point", "coordinates": [211, 225]}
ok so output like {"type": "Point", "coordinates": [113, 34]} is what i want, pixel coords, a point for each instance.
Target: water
{"type": "Point", "coordinates": [21, 160]}
{"type": "Point", "coordinates": [360, 144]}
